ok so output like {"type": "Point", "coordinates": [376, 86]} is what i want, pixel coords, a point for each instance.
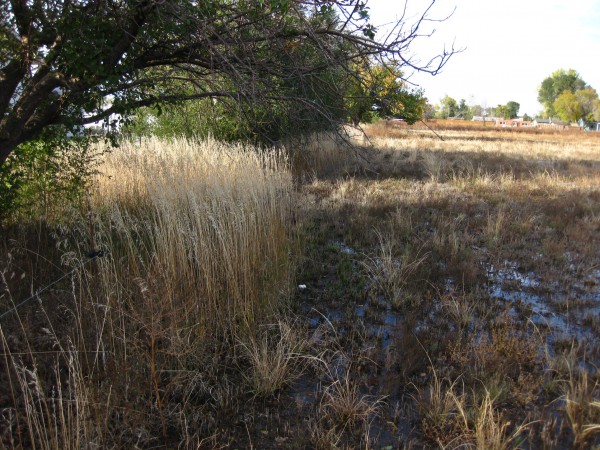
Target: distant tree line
{"type": "Point", "coordinates": [450, 108]}
{"type": "Point", "coordinates": [564, 95]}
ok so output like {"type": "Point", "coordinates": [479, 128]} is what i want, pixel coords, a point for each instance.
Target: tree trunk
{"type": "Point", "coordinates": [6, 148]}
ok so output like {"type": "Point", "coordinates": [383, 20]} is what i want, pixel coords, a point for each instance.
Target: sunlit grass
{"type": "Point", "coordinates": [204, 226]}
{"type": "Point", "coordinates": [195, 242]}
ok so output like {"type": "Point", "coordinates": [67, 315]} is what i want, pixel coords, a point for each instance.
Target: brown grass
{"type": "Point", "coordinates": [506, 213]}
{"type": "Point", "coordinates": [197, 241]}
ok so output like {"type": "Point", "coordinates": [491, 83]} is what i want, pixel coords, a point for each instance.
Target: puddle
{"type": "Point", "coordinates": [380, 324]}
{"type": "Point", "coordinates": [343, 248]}
{"type": "Point", "coordinates": [566, 306]}
{"type": "Point", "coordinates": [560, 307]}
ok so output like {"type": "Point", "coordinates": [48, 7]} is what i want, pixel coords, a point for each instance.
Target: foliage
{"type": "Point", "coordinates": [589, 103]}
{"type": "Point", "coordinates": [378, 91]}
{"type": "Point", "coordinates": [370, 92]}
{"type": "Point", "coordinates": [463, 111]}
{"type": "Point", "coordinates": [448, 107]}
{"type": "Point", "coordinates": [44, 175]}
{"type": "Point", "coordinates": [83, 61]}
{"type": "Point", "coordinates": [196, 119]}
{"type": "Point", "coordinates": [508, 111]}
{"type": "Point", "coordinates": [553, 86]}
{"type": "Point", "coordinates": [412, 106]}
{"type": "Point", "coordinates": [222, 119]}
{"type": "Point", "coordinates": [430, 111]}
{"type": "Point", "coordinates": [477, 110]}
{"type": "Point", "coordinates": [567, 107]}
{"type": "Point", "coordinates": [581, 104]}
{"type": "Point", "coordinates": [512, 109]}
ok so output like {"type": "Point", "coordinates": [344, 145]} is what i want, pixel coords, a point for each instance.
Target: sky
{"type": "Point", "coordinates": [510, 46]}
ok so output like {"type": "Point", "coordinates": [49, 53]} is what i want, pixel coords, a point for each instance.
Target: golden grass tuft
{"type": "Point", "coordinates": [275, 358]}
{"type": "Point", "coordinates": [202, 228]}
{"type": "Point", "coordinates": [197, 241]}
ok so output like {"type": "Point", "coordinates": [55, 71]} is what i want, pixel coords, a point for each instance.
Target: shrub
{"type": "Point", "coordinates": [44, 176]}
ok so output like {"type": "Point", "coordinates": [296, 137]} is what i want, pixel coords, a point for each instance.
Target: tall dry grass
{"type": "Point", "coordinates": [197, 241]}
{"type": "Point", "coordinates": [204, 227]}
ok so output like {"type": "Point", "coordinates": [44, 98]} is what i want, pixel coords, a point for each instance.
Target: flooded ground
{"type": "Point", "coordinates": [561, 309]}
{"type": "Point", "coordinates": [466, 306]}
{"type": "Point", "coordinates": [373, 332]}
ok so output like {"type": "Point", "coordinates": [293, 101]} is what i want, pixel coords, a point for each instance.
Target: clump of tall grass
{"type": "Point", "coordinates": [275, 358]}
{"type": "Point", "coordinates": [582, 407]}
{"type": "Point", "coordinates": [196, 241]}
{"type": "Point", "coordinates": [391, 274]}
{"type": "Point", "coordinates": [204, 227]}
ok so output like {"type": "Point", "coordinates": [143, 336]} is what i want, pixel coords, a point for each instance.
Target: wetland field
{"type": "Point", "coordinates": [427, 286]}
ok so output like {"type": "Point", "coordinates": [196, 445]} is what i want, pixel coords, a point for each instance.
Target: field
{"type": "Point", "coordinates": [423, 287]}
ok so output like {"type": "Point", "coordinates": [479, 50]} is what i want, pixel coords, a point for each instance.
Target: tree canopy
{"type": "Point", "coordinates": [508, 111]}
{"type": "Point", "coordinates": [379, 91]}
{"type": "Point", "coordinates": [463, 111]}
{"type": "Point", "coordinates": [581, 104]}
{"type": "Point", "coordinates": [553, 86]}
{"type": "Point", "coordinates": [448, 107]}
{"type": "Point", "coordinates": [71, 63]}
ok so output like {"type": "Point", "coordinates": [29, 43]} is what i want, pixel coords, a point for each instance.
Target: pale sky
{"type": "Point", "coordinates": [510, 46]}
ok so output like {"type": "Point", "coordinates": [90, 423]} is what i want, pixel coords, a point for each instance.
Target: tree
{"type": "Point", "coordinates": [463, 111]}
{"type": "Point", "coordinates": [448, 107]}
{"type": "Point", "coordinates": [512, 110]}
{"type": "Point", "coordinates": [501, 111]}
{"type": "Point", "coordinates": [589, 102]}
{"type": "Point", "coordinates": [554, 85]}
{"type": "Point", "coordinates": [379, 91]}
{"type": "Point", "coordinates": [581, 104]}
{"type": "Point", "coordinates": [596, 111]}
{"type": "Point", "coordinates": [476, 110]}
{"type": "Point", "coordinates": [430, 111]}
{"type": "Point", "coordinates": [508, 111]}
{"type": "Point", "coordinates": [567, 107]}
{"type": "Point", "coordinates": [71, 63]}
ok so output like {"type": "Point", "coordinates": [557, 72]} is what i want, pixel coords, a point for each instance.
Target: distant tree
{"type": "Point", "coordinates": [527, 117]}
{"type": "Point", "coordinates": [500, 111]}
{"type": "Point", "coordinates": [596, 111]}
{"type": "Point", "coordinates": [430, 111]}
{"type": "Point", "coordinates": [448, 107]}
{"type": "Point", "coordinates": [512, 109]}
{"type": "Point", "coordinates": [554, 85]}
{"type": "Point", "coordinates": [463, 111]}
{"type": "Point", "coordinates": [477, 110]}
{"type": "Point", "coordinates": [581, 104]}
{"type": "Point", "coordinates": [589, 102]}
{"type": "Point", "coordinates": [508, 111]}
